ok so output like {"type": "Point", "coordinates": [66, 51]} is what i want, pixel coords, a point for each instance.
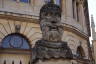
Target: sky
{"type": "Point", "coordinates": [92, 9]}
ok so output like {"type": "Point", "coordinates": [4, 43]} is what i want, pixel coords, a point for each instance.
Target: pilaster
{"type": "Point", "coordinates": [81, 14]}
{"type": "Point", "coordinates": [63, 2]}
{"type": "Point", "coordinates": [69, 10]}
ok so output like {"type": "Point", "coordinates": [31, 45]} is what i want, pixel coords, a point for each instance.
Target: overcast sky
{"type": "Point", "coordinates": [92, 9]}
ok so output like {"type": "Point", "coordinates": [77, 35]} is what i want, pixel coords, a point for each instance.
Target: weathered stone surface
{"type": "Point", "coordinates": [51, 46]}
{"type": "Point", "coordinates": [45, 50]}
{"type": "Point", "coordinates": [55, 61]}
{"type": "Point", "coordinates": [50, 22]}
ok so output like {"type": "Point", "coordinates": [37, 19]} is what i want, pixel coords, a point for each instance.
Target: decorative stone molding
{"type": "Point", "coordinates": [30, 30]}
{"type": "Point", "coordinates": [45, 50]}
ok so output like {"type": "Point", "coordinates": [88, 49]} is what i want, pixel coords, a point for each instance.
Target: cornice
{"type": "Point", "coordinates": [35, 19]}
{"type": "Point", "coordinates": [75, 30]}
{"type": "Point", "coordinates": [15, 51]}
{"type": "Point", "coordinates": [18, 17]}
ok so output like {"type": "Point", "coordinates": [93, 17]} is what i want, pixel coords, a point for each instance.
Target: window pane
{"type": "Point", "coordinates": [47, 1]}
{"type": "Point", "coordinates": [15, 41]}
{"type": "Point", "coordinates": [57, 2]}
{"type": "Point", "coordinates": [53, 1]}
{"type": "Point", "coordinates": [26, 1]}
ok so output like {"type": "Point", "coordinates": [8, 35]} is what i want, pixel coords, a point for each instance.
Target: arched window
{"type": "Point", "coordinates": [58, 2]}
{"type": "Point", "coordinates": [25, 1]}
{"type": "Point", "coordinates": [16, 41]}
{"type": "Point", "coordinates": [12, 62]}
{"type": "Point", "coordinates": [47, 1]}
{"type": "Point", "coordinates": [29, 62]}
{"type": "Point", "coordinates": [80, 52]}
{"type": "Point", "coordinates": [4, 62]}
{"type": "Point", "coordinates": [20, 62]}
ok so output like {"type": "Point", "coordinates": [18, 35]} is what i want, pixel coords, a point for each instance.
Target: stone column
{"type": "Point", "coordinates": [69, 9]}
{"type": "Point", "coordinates": [81, 14]}
{"type": "Point", "coordinates": [0, 3]}
{"type": "Point", "coordinates": [75, 11]}
{"type": "Point", "coordinates": [32, 2]}
{"type": "Point", "coordinates": [63, 6]}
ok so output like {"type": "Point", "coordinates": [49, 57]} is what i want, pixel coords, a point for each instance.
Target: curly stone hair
{"type": "Point", "coordinates": [50, 8]}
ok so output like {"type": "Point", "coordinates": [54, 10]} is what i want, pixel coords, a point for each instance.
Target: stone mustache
{"type": "Point", "coordinates": [50, 46]}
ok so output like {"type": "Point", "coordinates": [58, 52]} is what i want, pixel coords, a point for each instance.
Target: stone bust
{"type": "Point", "coordinates": [50, 22]}
{"type": "Point", "coordinates": [50, 46]}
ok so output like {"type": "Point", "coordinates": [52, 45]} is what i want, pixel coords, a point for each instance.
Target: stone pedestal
{"type": "Point", "coordinates": [55, 61]}
{"type": "Point", "coordinates": [51, 52]}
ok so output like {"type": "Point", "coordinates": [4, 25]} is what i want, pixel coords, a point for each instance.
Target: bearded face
{"type": "Point", "coordinates": [51, 28]}
{"type": "Point", "coordinates": [50, 22]}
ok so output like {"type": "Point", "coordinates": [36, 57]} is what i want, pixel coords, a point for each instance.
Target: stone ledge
{"type": "Point", "coordinates": [15, 51]}
{"type": "Point", "coordinates": [31, 18]}
{"type": "Point", "coordinates": [11, 15]}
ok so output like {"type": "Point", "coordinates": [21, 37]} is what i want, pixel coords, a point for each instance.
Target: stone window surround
{"type": "Point", "coordinates": [13, 38]}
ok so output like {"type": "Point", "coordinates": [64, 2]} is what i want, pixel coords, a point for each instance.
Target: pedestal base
{"type": "Point", "coordinates": [55, 61]}
{"type": "Point", "coordinates": [51, 50]}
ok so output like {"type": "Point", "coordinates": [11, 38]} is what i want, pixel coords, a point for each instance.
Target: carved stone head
{"type": "Point", "coordinates": [50, 22]}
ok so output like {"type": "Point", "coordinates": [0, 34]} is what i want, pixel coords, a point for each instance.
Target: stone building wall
{"type": "Point", "coordinates": [26, 15]}
{"type": "Point", "coordinates": [75, 41]}
{"type": "Point", "coordinates": [30, 30]}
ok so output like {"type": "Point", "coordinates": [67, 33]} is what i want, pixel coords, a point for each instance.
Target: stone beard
{"type": "Point", "coordinates": [52, 29]}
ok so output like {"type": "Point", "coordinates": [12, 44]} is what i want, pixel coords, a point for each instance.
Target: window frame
{"type": "Point", "coordinates": [22, 1]}
{"type": "Point", "coordinates": [80, 52]}
{"type": "Point", "coordinates": [7, 39]}
{"type": "Point", "coordinates": [53, 1]}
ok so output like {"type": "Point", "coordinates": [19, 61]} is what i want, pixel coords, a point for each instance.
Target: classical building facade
{"type": "Point", "coordinates": [19, 29]}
